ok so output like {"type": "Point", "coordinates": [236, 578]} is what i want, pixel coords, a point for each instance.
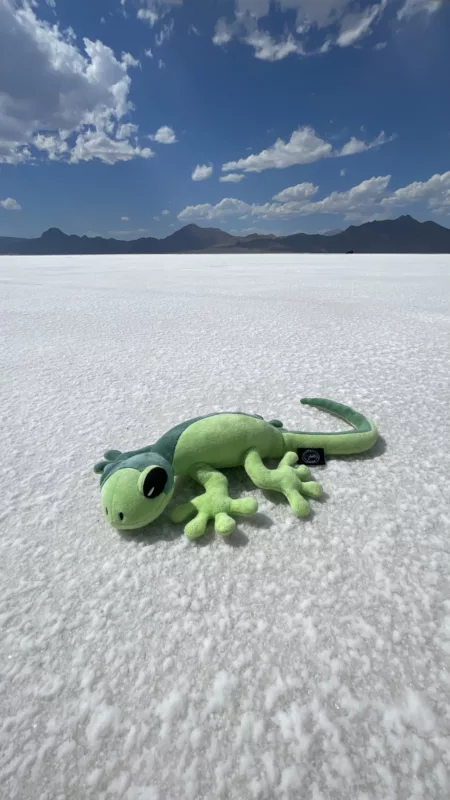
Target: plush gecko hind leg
{"type": "Point", "coordinates": [293, 482]}
{"type": "Point", "coordinates": [137, 485]}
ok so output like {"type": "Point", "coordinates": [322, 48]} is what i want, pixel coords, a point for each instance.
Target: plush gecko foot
{"type": "Point", "coordinates": [290, 481]}
{"type": "Point", "coordinates": [214, 504]}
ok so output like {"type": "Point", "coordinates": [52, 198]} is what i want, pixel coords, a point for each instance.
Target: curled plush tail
{"type": "Point", "coordinates": [361, 438]}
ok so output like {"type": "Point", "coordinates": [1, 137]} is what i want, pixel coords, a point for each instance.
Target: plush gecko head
{"type": "Point", "coordinates": [134, 490]}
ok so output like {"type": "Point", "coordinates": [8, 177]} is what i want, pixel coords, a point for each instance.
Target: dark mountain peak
{"type": "Point", "coordinates": [193, 238]}
{"type": "Point", "coordinates": [53, 233]}
{"type": "Point", "coordinates": [399, 223]}
{"type": "Point", "coordinates": [406, 220]}
{"type": "Point", "coordinates": [256, 237]}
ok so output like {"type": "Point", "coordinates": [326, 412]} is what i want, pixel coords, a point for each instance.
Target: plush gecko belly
{"type": "Point", "coordinates": [222, 440]}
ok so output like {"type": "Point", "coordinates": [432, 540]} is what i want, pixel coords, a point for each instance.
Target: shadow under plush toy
{"type": "Point", "coordinates": [136, 486]}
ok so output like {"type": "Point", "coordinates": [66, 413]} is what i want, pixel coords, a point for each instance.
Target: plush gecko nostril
{"type": "Point", "coordinates": [120, 516]}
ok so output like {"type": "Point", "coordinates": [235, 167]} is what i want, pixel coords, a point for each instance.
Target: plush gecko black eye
{"type": "Point", "coordinates": [154, 483]}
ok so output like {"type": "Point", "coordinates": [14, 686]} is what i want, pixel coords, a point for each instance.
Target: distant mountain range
{"type": "Point", "coordinates": [401, 235]}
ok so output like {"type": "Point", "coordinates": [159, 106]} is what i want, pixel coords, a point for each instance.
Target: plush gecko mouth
{"type": "Point", "coordinates": [122, 526]}
{"type": "Point", "coordinates": [137, 518]}
{"type": "Point", "coordinates": [120, 523]}
{"type": "Point", "coordinates": [126, 506]}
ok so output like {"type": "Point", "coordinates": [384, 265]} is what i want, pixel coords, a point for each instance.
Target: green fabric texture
{"type": "Point", "coordinates": [167, 445]}
{"type": "Point", "coordinates": [221, 441]}
{"type": "Point", "coordinates": [202, 446]}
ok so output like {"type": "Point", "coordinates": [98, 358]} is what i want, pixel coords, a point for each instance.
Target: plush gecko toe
{"type": "Point", "coordinates": [109, 457]}
{"type": "Point", "coordinates": [197, 527]}
{"type": "Point", "coordinates": [100, 466]}
{"type": "Point", "coordinates": [112, 455]}
{"type": "Point", "coordinates": [312, 489]}
{"type": "Point", "coordinates": [303, 473]}
{"type": "Point", "coordinates": [224, 524]}
{"type": "Point", "coordinates": [244, 507]}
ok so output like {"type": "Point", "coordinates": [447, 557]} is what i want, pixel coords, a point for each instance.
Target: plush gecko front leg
{"type": "Point", "coordinates": [214, 504]}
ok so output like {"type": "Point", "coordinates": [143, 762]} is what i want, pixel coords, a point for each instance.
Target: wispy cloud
{"type": "Point", "coordinates": [340, 23]}
{"type": "Point", "coordinates": [413, 7]}
{"type": "Point", "coordinates": [232, 177]}
{"type": "Point", "coordinates": [165, 33]}
{"type": "Point", "coordinates": [305, 146]}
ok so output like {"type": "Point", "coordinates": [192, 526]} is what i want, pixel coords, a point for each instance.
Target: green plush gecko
{"type": "Point", "coordinates": [137, 485]}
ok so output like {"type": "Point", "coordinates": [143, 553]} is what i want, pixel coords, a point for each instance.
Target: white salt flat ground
{"type": "Point", "coordinates": [305, 660]}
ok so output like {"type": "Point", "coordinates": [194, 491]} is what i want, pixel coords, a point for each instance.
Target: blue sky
{"type": "Point", "coordinates": [131, 118]}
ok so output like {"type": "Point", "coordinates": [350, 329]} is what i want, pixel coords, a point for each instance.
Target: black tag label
{"type": "Point", "coordinates": [311, 456]}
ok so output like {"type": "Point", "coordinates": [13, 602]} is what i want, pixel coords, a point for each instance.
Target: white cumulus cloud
{"type": "Point", "coordinates": [9, 204]}
{"type": "Point", "coordinates": [130, 61]}
{"type": "Point", "coordinates": [125, 131]}
{"type": "Point", "coordinates": [228, 207]}
{"type": "Point", "coordinates": [55, 146]}
{"type": "Point", "coordinates": [59, 93]}
{"type": "Point", "coordinates": [357, 198]}
{"type": "Point", "coordinates": [165, 135]}
{"type": "Point", "coordinates": [435, 191]}
{"type": "Point", "coordinates": [299, 192]}
{"type": "Point", "coordinates": [98, 145]}
{"type": "Point", "coordinates": [202, 172]}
